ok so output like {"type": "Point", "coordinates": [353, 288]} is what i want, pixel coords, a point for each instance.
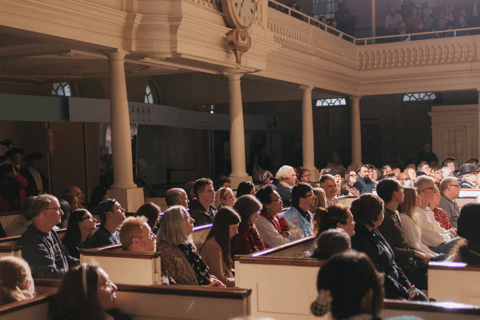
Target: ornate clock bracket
{"type": "Point", "coordinates": [240, 42]}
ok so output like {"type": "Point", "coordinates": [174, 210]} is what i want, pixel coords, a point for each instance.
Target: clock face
{"type": "Point", "coordinates": [243, 12]}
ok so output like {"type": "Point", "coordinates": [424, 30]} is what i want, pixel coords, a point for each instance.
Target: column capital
{"type": "Point", "coordinates": [305, 87]}
{"type": "Point", "coordinates": [233, 74]}
{"type": "Point", "coordinates": [116, 55]}
{"type": "Point", "coordinates": [355, 98]}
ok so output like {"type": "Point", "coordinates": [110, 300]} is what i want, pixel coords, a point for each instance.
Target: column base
{"type": "Point", "coordinates": [130, 199]}
{"type": "Point", "coordinates": [235, 181]}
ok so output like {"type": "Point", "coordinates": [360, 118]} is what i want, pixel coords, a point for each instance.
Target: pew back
{"type": "Point", "coordinates": [36, 308]}
{"type": "Point", "coordinates": [200, 234]}
{"type": "Point", "coordinates": [10, 251]}
{"type": "Point", "coordinates": [12, 241]}
{"type": "Point", "coordinates": [12, 221]}
{"type": "Point", "coordinates": [347, 200]}
{"type": "Point", "coordinates": [430, 310]}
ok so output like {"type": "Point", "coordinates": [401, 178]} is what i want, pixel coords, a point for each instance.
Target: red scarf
{"type": "Point", "coordinates": [279, 223]}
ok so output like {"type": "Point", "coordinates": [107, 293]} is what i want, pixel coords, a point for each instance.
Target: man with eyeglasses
{"type": "Point", "coordinates": [136, 235]}
{"type": "Point", "coordinates": [450, 190]}
{"type": "Point", "coordinates": [41, 246]}
{"type": "Point", "coordinates": [298, 214]}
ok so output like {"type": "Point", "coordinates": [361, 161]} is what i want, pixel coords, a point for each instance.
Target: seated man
{"type": "Point", "coordinates": [423, 169]}
{"type": "Point", "coordinates": [41, 247]}
{"type": "Point", "coordinates": [287, 178]}
{"type": "Point", "coordinates": [298, 214]}
{"type": "Point", "coordinates": [111, 216]}
{"type": "Point", "coordinates": [77, 192]}
{"type": "Point", "coordinates": [433, 235]}
{"type": "Point", "coordinates": [450, 190]}
{"type": "Point", "coordinates": [136, 235]}
{"type": "Point", "coordinates": [364, 183]}
{"type": "Point", "coordinates": [201, 208]}
{"type": "Point", "coordinates": [176, 196]}
{"type": "Point", "coordinates": [328, 184]}
{"type": "Point", "coordinates": [468, 176]}
{"type": "Point", "coordinates": [274, 229]}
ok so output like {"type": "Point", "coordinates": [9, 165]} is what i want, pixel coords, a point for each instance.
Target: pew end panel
{"type": "Point", "coordinates": [35, 308]}
{"type": "Point", "coordinates": [125, 267]}
{"type": "Point", "coordinates": [347, 200]}
{"type": "Point", "coordinates": [12, 221]}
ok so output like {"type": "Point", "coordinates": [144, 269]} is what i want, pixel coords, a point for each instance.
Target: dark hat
{"type": "Point", "coordinates": [33, 156]}
{"type": "Point", "coordinates": [104, 207]}
{"type": "Point", "coordinates": [13, 151]}
{"type": "Point", "coordinates": [466, 169]}
{"type": "Point", "coordinates": [469, 221]}
{"type": "Point", "coordinates": [448, 159]}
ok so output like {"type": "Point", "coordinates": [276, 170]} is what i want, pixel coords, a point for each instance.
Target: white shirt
{"type": "Point", "coordinates": [270, 235]}
{"type": "Point", "coordinates": [414, 235]}
{"type": "Point", "coordinates": [432, 233]}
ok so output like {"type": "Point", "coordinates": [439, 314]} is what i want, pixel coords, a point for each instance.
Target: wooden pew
{"type": "Point", "coordinates": [454, 281]}
{"type": "Point", "coordinates": [470, 193]}
{"type": "Point", "coordinates": [12, 221]}
{"type": "Point", "coordinates": [12, 241]}
{"type": "Point", "coordinates": [347, 200]}
{"type": "Point", "coordinates": [464, 200]}
{"type": "Point", "coordinates": [430, 310]}
{"type": "Point", "coordinates": [36, 308]}
{"type": "Point", "coordinates": [10, 251]}
{"type": "Point", "coordinates": [200, 234]}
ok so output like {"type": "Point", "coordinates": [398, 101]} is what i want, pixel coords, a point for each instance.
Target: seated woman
{"type": "Point", "coordinates": [303, 175]}
{"type": "Point", "coordinates": [16, 282]}
{"type": "Point", "coordinates": [245, 187]}
{"type": "Point", "coordinates": [224, 198]}
{"type": "Point", "coordinates": [152, 212]}
{"type": "Point", "coordinates": [99, 194]}
{"type": "Point", "coordinates": [349, 183]}
{"type": "Point", "coordinates": [331, 242]}
{"type": "Point", "coordinates": [336, 216]}
{"type": "Point", "coordinates": [248, 239]}
{"type": "Point", "coordinates": [216, 251]}
{"type": "Point", "coordinates": [368, 214]}
{"type": "Point", "coordinates": [80, 224]}
{"type": "Point", "coordinates": [410, 223]}
{"type": "Point", "coordinates": [349, 287]}
{"type": "Point", "coordinates": [72, 201]}
{"type": "Point", "coordinates": [85, 292]}
{"type": "Point", "coordinates": [467, 248]}
{"type": "Point", "coordinates": [179, 256]}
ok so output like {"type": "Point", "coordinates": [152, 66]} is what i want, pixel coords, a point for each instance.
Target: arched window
{"type": "Point", "coordinates": [151, 94]}
{"type": "Point", "coordinates": [62, 89]}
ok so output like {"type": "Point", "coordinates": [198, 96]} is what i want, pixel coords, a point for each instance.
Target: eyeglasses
{"type": "Point", "coordinates": [455, 185]}
{"type": "Point", "coordinates": [109, 284]}
{"type": "Point", "coordinates": [56, 209]}
{"type": "Point", "coordinates": [150, 234]}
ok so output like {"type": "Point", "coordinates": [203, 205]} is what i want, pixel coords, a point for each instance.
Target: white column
{"type": "Point", "coordinates": [123, 188]}
{"type": "Point", "coordinates": [356, 133]}
{"type": "Point", "coordinates": [307, 133]}
{"type": "Point", "coordinates": [237, 133]}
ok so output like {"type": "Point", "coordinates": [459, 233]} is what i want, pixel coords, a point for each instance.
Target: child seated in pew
{"type": "Point", "coordinates": [16, 282]}
{"type": "Point", "coordinates": [349, 286]}
{"type": "Point", "coordinates": [86, 293]}
{"type": "Point", "coordinates": [468, 247]}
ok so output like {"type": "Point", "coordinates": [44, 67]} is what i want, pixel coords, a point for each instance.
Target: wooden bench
{"type": "Point", "coordinates": [12, 241]}
{"type": "Point", "coordinates": [470, 193]}
{"type": "Point", "coordinates": [429, 310]}
{"type": "Point", "coordinates": [347, 200]}
{"type": "Point", "coordinates": [12, 221]}
{"type": "Point", "coordinates": [10, 251]}
{"type": "Point", "coordinates": [36, 308]}
{"type": "Point", "coordinates": [454, 281]}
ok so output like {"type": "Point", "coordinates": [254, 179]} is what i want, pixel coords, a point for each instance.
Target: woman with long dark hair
{"type": "Point", "coordinates": [80, 224]}
{"type": "Point", "coordinates": [99, 194]}
{"type": "Point", "coordinates": [248, 239]}
{"type": "Point", "coordinates": [216, 251]}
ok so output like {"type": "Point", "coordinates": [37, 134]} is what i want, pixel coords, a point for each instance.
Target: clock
{"type": "Point", "coordinates": [239, 13]}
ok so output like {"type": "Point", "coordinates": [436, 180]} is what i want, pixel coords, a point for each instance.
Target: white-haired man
{"type": "Point", "coordinates": [287, 178]}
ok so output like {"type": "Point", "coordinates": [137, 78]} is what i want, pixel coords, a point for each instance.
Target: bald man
{"type": "Point", "coordinates": [176, 196]}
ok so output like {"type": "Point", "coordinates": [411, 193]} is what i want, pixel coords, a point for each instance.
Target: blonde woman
{"type": "Point", "coordinates": [16, 281]}
{"type": "Point", "coordinates": [224, 198]}
{"type": "Point", "coordinates": [410, 223]}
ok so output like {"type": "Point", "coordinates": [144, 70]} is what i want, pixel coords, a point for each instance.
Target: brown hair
{"type": "Point", "coordinates": [247, 205]}
{"type": "Point", "coordinates": [14, 275]}
{"type": "Point", "coordinates": [366, 209]}
{"type": "Point", "coordinates": [408, 204]}
{"type": "Point", "coordinates": [329, 218]}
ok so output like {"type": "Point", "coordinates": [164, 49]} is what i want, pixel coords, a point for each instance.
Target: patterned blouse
{"type": "Point", "coordinates": [441, 217]}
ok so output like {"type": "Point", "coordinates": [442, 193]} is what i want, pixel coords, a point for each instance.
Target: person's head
{"type": "Point", "coordinates": [410, 201]}
{"type": "Point", "coordinates": [367, 211]}
{"type": "Point", "coordinates": [224, 198]}
{"type": "Point", "coordinates": [402, 178]}
{"type": "Point", "coordinates": [189, 190]}
{"type": "Point", "coordinates": [46, 212]}
{"type": "Point", "coordinates": [396, 172]}
{"type": "Point", "coordinates": [363, 171]}
{"type": "Point", "coordinates": [80, 222]}
{"type": "Point", "coordinates": [76, 191]}
{"type": "Point", "coordinates": [72, 201]}
{"type": "Point", "coordinates": [270, 199]}
{"type": "Point", "coordinates": [350, 177]}
{"type": "Point", "coordinates": [449, 163]}
{"type": "Point", "coordinates": [469, 224]}
{"type": "Point", "coordinates": [436, 199]}
{"type": "Point", "coordinates": [331, 242]}
{"type": "Point", "coordinates": [412, 175]}
{"type": "Point", "coordinates": [425, 188]}
{"type": "Point", "coordinates": [245, 187]}
{"type": "Point", "coordinates": [16, 282]}
{"type": "Point", "coordinates": [176, 196]}
{"type": "Point", "coordinates": [175, 226]}
{"type": "Point", "coordinates": [111, 212]}
{"type": "Point", "coordinates": [424, 167]}
{"type": "Point", "coordinates": [33, 160]}
{"type": "Point", "coordinates": [475, 162]}
{"type": "Point", "coordinates": [468, 172]}
{"type": "Point", "coordinates": [27, 206]}
{"type": "Point", "coordinates": [223, 182]}
{"type": "Point", "coordinates": [336, 216]}
{"type": "Point", "coordinates": [85, 291]}
{"type": "Point", "coordinates": [15, 155]}
{"type": "Point", "coordinates": [390, 190]}
{"type": "Point", "coordinates": [426, 147]}
{"type": "Point", "coordinates": [303, 175]}
{"type": "Point", "coordinates": [450, 187]}
{"type": "Point", "coordinates": [350, 280]}
{"type": "Point", "coordinates": [136, 235]}
{"type": "Point", "coordinates": [99, 194]}
{"type": "Point", "coordinates": [203, 190]}
{"type": "Point", "coordinates": [151, 211]}
{"type": "Point", "coordinates": [320, 200]}
{"type": "Point", "coordinates": [248, 207]}
{"type": "Point", "coordinates": [327, 183]}
{"type": "Point", "coordinates": [437, 174]}
{"type": "Point", "coordinates": [303, 196]}
{"type": "Point", "coordinates": [287, 174]}
{"type": "Point", "coordinates": [225, 226]}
